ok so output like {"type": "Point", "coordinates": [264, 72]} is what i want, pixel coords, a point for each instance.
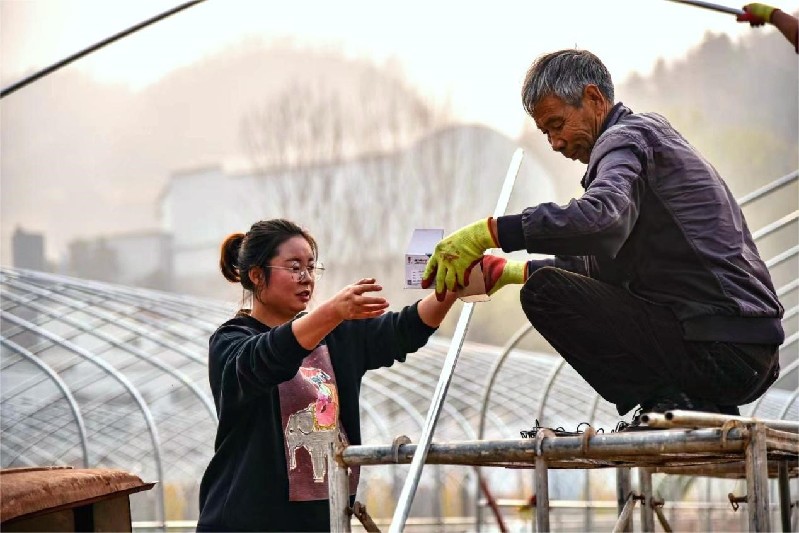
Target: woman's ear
{"type": "Point", "coordinates": [256, 275]}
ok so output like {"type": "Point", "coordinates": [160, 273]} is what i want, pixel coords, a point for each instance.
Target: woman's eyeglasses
{"type": "Point", "coordinates": [300, 274]}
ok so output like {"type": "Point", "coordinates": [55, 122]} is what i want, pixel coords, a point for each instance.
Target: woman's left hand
{"type": "Point", "coordinates": [353, 301]}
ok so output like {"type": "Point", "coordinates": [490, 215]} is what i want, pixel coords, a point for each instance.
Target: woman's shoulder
{"type": "Point", "coordinates": [242, 323]}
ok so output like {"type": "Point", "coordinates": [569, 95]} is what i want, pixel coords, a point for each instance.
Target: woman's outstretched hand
{"type": "Point", "coordinates": [353, 302]}
{"type": "Point", "coordinates": [356, 301]}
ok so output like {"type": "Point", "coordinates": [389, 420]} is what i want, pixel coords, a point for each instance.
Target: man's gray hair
{"type": "Point", "coordinates": [565, 74]}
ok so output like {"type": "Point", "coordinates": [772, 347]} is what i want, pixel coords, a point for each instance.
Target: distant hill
{"type": "Point", "coordinates": [738, 103]}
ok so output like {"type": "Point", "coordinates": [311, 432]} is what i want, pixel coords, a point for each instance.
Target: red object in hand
{"type": "Point", "coordinates": [753, 20]}
{"type": "Point", "coordinates": [493, 267]}
{"type": "Point", "coordinates": [427, 282]}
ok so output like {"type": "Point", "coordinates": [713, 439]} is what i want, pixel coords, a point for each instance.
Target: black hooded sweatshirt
{"type": "Point", "coordinates": [245, 487]}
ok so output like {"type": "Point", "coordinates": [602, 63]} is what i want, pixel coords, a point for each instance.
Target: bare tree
{"type": "Point", "coordinates": [330, 157]}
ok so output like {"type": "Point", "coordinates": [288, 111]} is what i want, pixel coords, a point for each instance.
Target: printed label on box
{"type": "Point", "coordinates": [423, 242]}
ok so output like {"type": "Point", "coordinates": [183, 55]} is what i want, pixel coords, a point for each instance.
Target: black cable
{"type": "Point", "coordinates": [55, 66]}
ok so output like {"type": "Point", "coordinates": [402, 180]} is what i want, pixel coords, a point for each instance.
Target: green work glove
{"type": "Point", "coordinates": [499, 272]}
{"type": "Point", "coordinates": [756, 14]}
{"type": "Point", "coordinates": [455, 256]}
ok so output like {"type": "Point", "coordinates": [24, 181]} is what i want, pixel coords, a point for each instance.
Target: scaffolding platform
{"type": "Point", "coordinates": [735, 448]}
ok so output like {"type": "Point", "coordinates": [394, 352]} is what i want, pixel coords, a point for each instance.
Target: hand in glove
{"type": "Point", "coordinates": [499, 272]}
{"type": "Point", "coordinates": [455, 256]}
{"type": "Point", "coordinates": [756, 14]}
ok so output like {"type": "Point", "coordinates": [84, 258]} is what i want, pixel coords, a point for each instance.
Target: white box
{"type": "Point", "coordinates": [421, 247]}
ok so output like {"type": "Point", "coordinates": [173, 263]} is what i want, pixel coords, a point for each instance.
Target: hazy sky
{"type": "Point", "coordinates": [473, 53]}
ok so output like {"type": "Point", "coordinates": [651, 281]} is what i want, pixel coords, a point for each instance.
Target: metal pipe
{"type": "Point", "coordinates": [624, 500]}
{"type": "Point", "coordinates": [774, 226]}
{"type": "Point", "coordinates": [62, 386]}
{"type": "Point", "coordinates": [623, 523]}
{"type": "Point", "coordinates": [448, 370]}
{"type": "Point", "coordinates": [490, 501]}
{"type": "Point", "coordinates": [588, 519]}
{"type": "Point", "coordinates": [782, 257]}
{"type": "Point", "coordinates": [662, 519]}
{"type": "Point", "coordinates": [55, 66]}
{"type": "Point", "coordinates": [789, 403]}
{"type": "Point", "coordinates": [647, 507]}
{"type": "Point", "coordinates": [588, 522]}
{"type": "Point", "coordinates": [713, 7]}
{"type": "Point", "coordinates": [547, 387]}
{"type": "Point", "coordinates": [770, 187]}
{"type": "Point", "coordinates": [492, 376]}
{"type": "Point", "coordinates": [22, 446]}
{"type": "Point", "coordinates": [708, 497]}
{"type": "Point", "coordinates": [785, 289]}
{"type": "Point", "coordinates": [412, 382]}
{"type": "Point", "coordinates": [541, 494]}
{"type": "Point", "coordinates": [407, 406]}
{"type": "Point", "coordinates": [94, 311]}
{"type": "Point", "coordinates": [126, 384]}
{"type": "Point", "coordinates": [338, 488]}
{"type": "Point", "coordinates": [375, 417]}
{"type": "Point", "coordinates": [678, 419]}
{"type": "Point", "coordinates": [490, 452]}
{"type": "Point", "coordinates": [455, 414]}
{"type": "Point", "coordinates": [165, 307]}
{"type": "Point", "coordinates": [420, 452]}
{"type": "Point", "coordinates": [179, 376]}
{"type": "Point", "coordinates": [417, 417]}
{"type": "Point", "coordinates": [610, 505]}
{"type": "Point", "coordinates": [783, 372]}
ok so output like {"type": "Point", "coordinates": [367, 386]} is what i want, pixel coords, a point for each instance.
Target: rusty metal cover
{"type": "Point", "coordinates": [29, 491]}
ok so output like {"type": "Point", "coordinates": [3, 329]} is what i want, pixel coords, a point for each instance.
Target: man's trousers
{"type": "Point", "coordinates": [632, 351]}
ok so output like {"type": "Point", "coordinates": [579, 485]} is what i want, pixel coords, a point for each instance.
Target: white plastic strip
{"type": "Point", "coordinates": [417, 463]}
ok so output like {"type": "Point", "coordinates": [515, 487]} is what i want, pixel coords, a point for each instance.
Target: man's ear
{"type": "Point", "coordinates": [592, 94]}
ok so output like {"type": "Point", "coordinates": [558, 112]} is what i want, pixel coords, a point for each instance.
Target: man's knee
{"type": "Point", "coordinates": [540, 293]}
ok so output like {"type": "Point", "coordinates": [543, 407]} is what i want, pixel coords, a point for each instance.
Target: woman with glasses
{"type": "Point", "coordinates": [286, 381]}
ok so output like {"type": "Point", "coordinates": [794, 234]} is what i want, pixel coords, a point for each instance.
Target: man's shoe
{"type": "Point", "coordinates": [662, 404]}
{"type": "Point", "coordinates": [634, 424]}
{"type": "Point", "coordinates": [729, 410]}
{"type": "Point", "coordinates": [678, 402]}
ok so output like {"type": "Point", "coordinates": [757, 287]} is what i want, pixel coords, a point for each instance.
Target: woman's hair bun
{"type": "Point", "coordinates": [229, 257]}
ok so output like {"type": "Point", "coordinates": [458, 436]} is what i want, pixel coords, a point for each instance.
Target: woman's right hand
{"type": "Point", "coordinates": [354, 302]}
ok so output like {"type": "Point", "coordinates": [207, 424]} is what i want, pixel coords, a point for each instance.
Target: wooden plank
{"type": "Point", "coordinates": [30, 492]}
{"type": "Point", "coordinates": [757, 479]}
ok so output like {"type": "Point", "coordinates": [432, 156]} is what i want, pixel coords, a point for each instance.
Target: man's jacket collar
{"type": "Point", "coordinates": [614, 115]}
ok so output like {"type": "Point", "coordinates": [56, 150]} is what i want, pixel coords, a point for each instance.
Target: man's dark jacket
{"type": "Point", "coordinates": [657, 219]}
